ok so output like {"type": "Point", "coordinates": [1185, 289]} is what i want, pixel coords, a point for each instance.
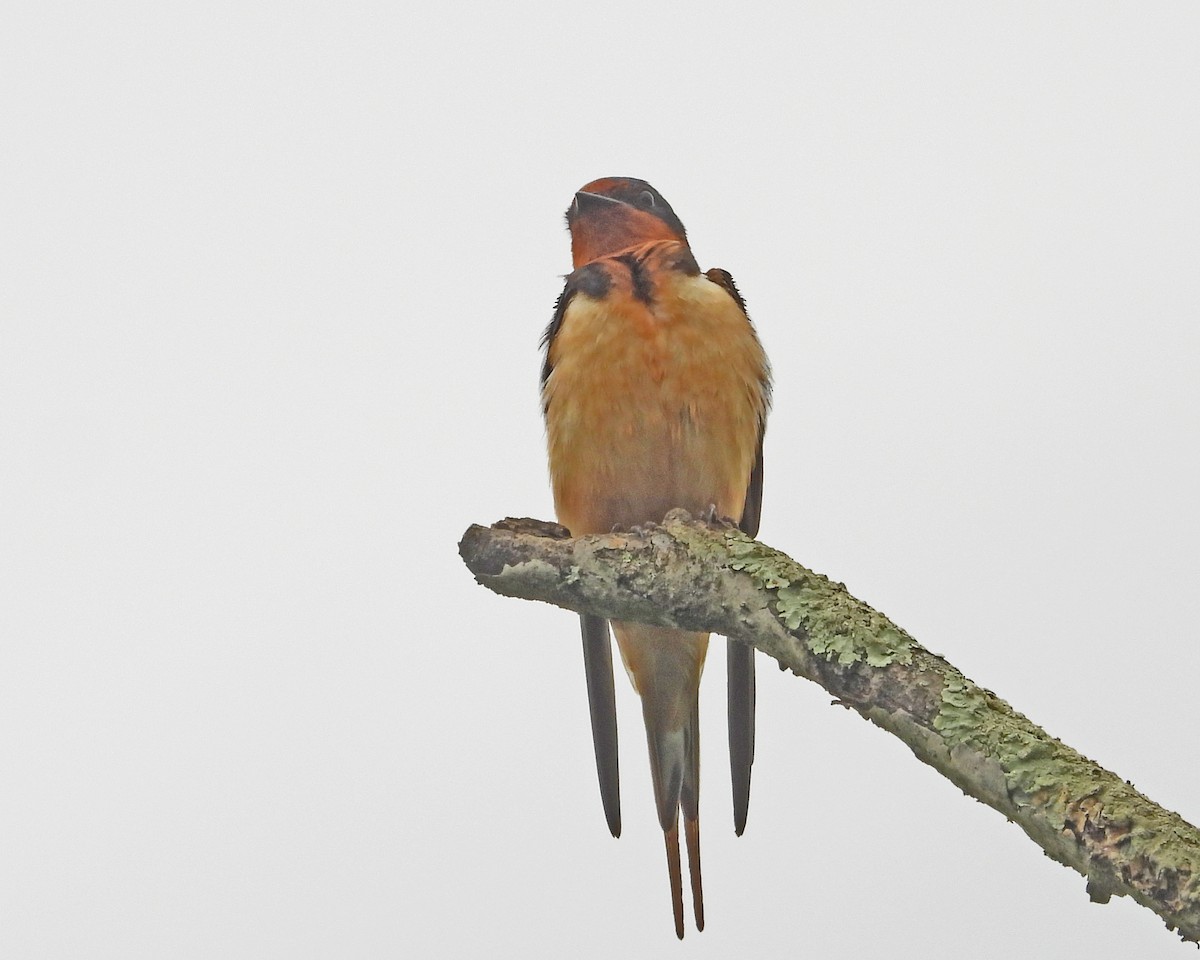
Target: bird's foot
{"type": "Point", "coordinates": [710, 516]}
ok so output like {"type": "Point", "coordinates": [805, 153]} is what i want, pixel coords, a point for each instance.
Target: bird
{"type": "Point", "coordinates": [655, 391]}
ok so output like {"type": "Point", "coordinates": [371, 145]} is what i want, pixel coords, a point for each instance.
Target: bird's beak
{"type": "Point", "coordinates": [585, 200]}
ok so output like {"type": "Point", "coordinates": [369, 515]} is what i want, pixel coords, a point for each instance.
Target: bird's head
{"type": "Point", "coordinates": [616, 213]}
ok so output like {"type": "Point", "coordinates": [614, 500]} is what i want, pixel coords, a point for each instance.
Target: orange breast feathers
{"type": "Point", "coordinates": [655, 392]}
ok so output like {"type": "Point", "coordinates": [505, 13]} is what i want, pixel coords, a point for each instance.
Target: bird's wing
{"type": "Point", "coordinates": [597, 647]}
{"type": "Point", "coordinates": [740, 656]}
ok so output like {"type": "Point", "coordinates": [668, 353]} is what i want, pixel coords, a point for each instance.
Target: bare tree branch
{"type": "Point", "coordinates": [695, 576]}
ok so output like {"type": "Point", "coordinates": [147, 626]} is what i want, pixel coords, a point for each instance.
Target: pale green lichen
{"type": "Point", "coordinates": [1035, 765]}
{"type": "Point", "coordinates": [1118, 838]}
{"type": "Point", "coordinates": [963, 710]}
{"type": "Point", "coordinates": [769, 568]}
{"type": "Point", "coordinates": [972, 716]}
{"type": "Point", "coordinates": [836, 626]}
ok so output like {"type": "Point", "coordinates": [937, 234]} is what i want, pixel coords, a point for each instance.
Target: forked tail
{"type": "Point", "coordinates": [675, 771]}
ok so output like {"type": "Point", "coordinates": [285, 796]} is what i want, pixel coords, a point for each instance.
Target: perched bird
{"type": "Point", "coordinates": [655, 391]}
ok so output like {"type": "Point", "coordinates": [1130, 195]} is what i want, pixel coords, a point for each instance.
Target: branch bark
{"type": "Point", "coordinates": [696, 576]}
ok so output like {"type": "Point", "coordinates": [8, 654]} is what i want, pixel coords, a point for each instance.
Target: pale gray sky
{"type": "Point", "coordinates": [273, 281]}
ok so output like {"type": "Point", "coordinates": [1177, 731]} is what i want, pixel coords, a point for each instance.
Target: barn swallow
{"type": "Point", "coordinates": [655, 391]}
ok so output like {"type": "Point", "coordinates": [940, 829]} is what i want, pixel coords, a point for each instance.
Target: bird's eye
{"type": "Point", "coordinates": [646, 198]}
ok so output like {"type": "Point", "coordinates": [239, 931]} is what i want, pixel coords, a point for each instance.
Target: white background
{"type": "Point", "coordinates": [273, 281]}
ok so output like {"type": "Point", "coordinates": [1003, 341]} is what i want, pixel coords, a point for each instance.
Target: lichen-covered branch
{"type": "Point", "coordinates": [696, 576]}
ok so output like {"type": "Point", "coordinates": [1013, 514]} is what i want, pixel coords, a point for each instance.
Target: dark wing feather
{"type": "Point", "coordinates": [602, 704]}
{"type": "Point", "coordinates": [740, 656]}
{"type": "Point", "coordinates": [752, 511]}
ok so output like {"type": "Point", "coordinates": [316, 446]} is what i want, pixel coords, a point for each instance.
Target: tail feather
{"type": "Point", "coordinates": [668, 759]}
{"type": "Point", "coordinates": [689, 803]}
{"type": "Point", "coordinates": [675, 771]}
{"type": "Point", "coordinates": [691, 830]}
{"type": "Point", "coordinates": [671, 835]}
{"type": "Point", "coordinates": [665, 666]}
